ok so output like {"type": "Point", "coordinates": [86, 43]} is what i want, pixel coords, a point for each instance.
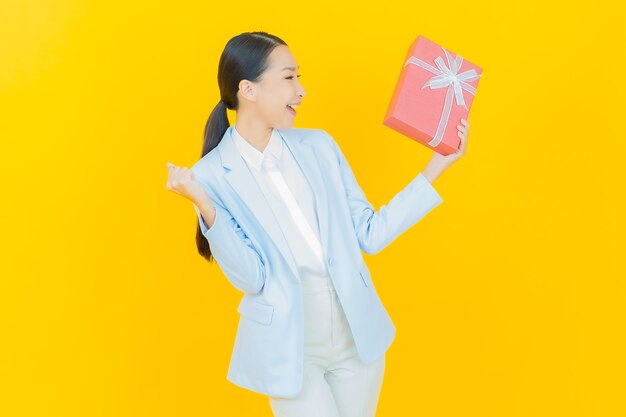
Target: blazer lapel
{"type": "Point", "coordinates": [244, 184]}
{"type": "Point", "coordinates": [312, 168]}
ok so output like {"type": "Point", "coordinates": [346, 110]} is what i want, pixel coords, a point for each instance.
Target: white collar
{"type": "Point", "coordinates": [252, 155]}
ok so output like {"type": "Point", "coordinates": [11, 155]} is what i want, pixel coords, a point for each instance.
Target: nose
{"type": "Point", "coordinates": [301, 91]}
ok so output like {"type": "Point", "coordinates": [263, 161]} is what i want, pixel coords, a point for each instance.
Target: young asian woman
{"type": "Point", "coordinates": [281, 212]}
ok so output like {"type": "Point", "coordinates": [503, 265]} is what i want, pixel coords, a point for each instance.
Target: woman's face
{"type": "Point", "coordinates": [278, 88]}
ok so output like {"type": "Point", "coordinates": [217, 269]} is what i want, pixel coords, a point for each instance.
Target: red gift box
{"type": "Point", "coordinates": [434, 92]}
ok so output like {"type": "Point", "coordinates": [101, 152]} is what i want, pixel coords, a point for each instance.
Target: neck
{"type": "Point", "coordinates": [256, 134]}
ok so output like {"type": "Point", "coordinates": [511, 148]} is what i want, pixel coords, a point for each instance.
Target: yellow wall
{"type": "Point", "coordinates": [509, 298]}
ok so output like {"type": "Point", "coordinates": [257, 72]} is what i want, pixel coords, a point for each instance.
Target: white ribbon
{"type": "Point", "coordinates": [447, 77]}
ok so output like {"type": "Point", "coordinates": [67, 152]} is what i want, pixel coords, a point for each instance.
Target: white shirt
{"type": "Point", "coordinates": [309, 266]}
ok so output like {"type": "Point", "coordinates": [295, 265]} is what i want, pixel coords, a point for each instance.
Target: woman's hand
{"type": "Point", "coordinates": [463, 130]}
{"type": "Point", "coordinates": [439, 163]}
{"type": "Point", "coordinates": [181, 181]}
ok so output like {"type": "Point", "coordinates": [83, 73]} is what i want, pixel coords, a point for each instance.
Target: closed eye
{"type": "Point", "coordinates": [291, 77]}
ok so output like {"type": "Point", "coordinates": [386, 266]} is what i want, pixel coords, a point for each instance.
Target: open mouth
{"type": "Point", "coordinates": [292, 108]}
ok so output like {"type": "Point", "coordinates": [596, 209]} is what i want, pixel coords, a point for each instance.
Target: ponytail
{"type": "Point", "coordinates": [216, 126]}
{"type": "Point", "coordinates": [245, 57]}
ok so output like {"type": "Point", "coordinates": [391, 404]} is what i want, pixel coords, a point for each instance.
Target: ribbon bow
{"type": "Point", "coordinates": [447, 76]}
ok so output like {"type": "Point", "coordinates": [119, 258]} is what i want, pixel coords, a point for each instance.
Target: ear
{"type": "Point", "coordinates": [247, 90]}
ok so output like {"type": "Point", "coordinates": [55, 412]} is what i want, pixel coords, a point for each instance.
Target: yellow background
{"type": "Point", "coordinates": [509, 298]}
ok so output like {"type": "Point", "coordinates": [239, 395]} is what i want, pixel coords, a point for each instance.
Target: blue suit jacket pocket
{"type": "Point", "coordinates": [253, 310]}
{"type": "Point", "coordinates": [365, 276]}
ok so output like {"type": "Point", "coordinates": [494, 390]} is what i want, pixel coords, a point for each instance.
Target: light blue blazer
{"type": "Point", "coordinates": [248, 245]}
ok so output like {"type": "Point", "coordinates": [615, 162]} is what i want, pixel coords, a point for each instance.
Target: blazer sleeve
{"type": "Point", "coordinates": [233, 250]}
{"type": "Point", "coordinates": [377, 229]}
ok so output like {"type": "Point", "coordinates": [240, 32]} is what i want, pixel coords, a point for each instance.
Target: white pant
{"type": "Point", "coordinates": [336, 383]}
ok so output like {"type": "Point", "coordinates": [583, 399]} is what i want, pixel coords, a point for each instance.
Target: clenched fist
{"type": "Point", "coordinates": [181, 181]}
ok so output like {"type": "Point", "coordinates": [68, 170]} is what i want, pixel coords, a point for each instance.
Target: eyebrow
{"type": "Point", "coordinates": [290, 68]}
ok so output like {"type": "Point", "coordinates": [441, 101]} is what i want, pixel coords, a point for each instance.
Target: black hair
{"type": "Point", "coordinates": [245, 56]}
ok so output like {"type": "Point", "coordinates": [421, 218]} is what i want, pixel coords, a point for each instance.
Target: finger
{"type": "Point", "coordinates": [461, 128]}
{"type": "Point", "coordinates": [465, 122]}
{"type": "Point", "coordinates": [463, 143]}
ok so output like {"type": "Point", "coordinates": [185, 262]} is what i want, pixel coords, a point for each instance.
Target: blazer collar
{"type": "Point", "coordinates": [243, 183]}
